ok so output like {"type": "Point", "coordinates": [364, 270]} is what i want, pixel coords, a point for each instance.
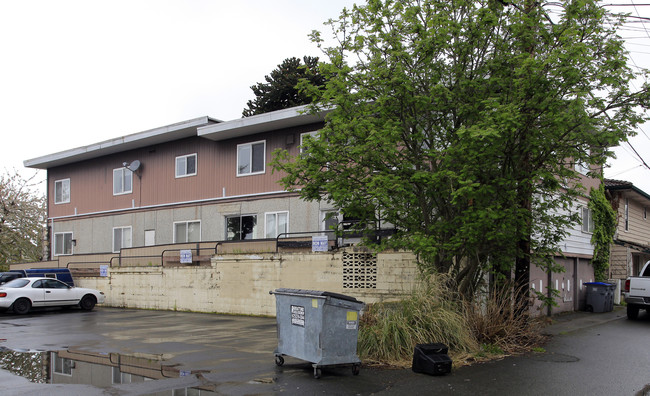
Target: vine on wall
{"type": "Point", "coordinates": [604, 217]}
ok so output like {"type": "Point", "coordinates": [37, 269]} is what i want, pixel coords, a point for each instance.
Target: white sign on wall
{"type": "Point", "coordinates": [319, 243]}
{"type": "Point", "coordinates": [186, 256]}
{"type": "Point", "coordinates": [103, 270]}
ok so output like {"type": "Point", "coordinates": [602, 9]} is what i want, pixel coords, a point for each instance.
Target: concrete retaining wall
{"type": "Point", "coordinates": [240, 284]}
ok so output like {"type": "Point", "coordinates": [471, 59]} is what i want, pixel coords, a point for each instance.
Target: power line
{"type": "Point", "coordinates": [638, 155]}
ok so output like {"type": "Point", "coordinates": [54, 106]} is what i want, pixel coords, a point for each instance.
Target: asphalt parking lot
{"type": "Point", "coordinates": [113, 351]}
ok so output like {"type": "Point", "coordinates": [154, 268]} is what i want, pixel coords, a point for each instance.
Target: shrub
{"type": "Point", "coordinates": [390, 331]}
{"type": "Point", "coordinates": [482, 328]}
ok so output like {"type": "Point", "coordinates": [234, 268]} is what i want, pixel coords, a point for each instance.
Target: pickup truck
{"type": "Point", "coordinates": [637, 292]}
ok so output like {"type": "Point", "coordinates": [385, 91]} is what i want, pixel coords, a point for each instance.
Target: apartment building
{"type": "Point", "coordinates": [196, 180]}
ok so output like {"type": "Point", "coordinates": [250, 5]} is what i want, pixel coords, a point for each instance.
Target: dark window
{"type": "Point", "coordinates": [54, 284]}
{"type": "Point", "coordinates": [16, 283]}
{"type": "Point", "coordinates": [241, 227]}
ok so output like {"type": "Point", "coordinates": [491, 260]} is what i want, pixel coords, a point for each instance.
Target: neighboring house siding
{"type": "Point", "coordinates": [619, 259]}
{"type": "Point", "coordinates": [577, 242]}
{"type": "Point", "coordinates": [631, 247]}
{"type": "Point", "coordinates": [638, 230]}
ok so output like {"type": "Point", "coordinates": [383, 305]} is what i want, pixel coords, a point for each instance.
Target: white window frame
{"type": "Point", "coordinates": [56, 245]}
{"type": "Point", "coordinates": [187, 228]}
{"type": "Point", "coordinates": [323, 216]}
{"type": "Point", "coordinates": [250, 145]}
{"type": "Point", "coordinates": [582, 167]}
{"type": "Point", "coordinates": [62, 183]}
{"type": "Point", "coordinates": [184, 159]}
{"type": "Point", "coordinates": [149, 237]}
{"type": "Point", "coordinates": [274, 233]}
{"type": "Point", "coordinates": [124, 174]}
{"type": "Point", "coordinates": [66, 369]}
{"type": "Point", "coordinates": [122, 241]}
{"type": "Point", "coordinates": [313, 134]}
{"type": "Point", "coordinates": [587, 220]}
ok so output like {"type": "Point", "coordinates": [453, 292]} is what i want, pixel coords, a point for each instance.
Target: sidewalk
{"type": "Point", "coordinates": [578, 320]}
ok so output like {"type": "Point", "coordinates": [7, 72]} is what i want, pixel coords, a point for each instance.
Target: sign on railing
{"type": "Point", "coordinates": [186, 256]}
{"type": "Point", "coordinates": [319, 243]}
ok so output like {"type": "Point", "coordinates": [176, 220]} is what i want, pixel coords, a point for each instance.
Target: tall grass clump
{"type": "Point", "coordinates": [389, 331]}
{"type": "Point", "coordinates": [499, 321]}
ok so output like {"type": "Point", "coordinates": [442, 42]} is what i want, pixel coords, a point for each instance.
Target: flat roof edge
{"type": "Point", "coordinates": [278, 119]}
{"type": "Point", "coordinates": [110, 146]}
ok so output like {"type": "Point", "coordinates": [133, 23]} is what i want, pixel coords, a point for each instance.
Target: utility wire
{"type": "Point", "coordinates": [638, 155]}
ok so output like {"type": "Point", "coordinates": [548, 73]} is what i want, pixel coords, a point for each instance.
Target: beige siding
{"type": "Point", "coordinates": [638, 231]}
{"type": "Point", "coordinates": [618, 262]}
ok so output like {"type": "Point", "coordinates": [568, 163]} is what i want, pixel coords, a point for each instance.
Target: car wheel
{"type": "Point", "coordinates": [632, 312]}
{"type": "Point", "coordinates": [88, 302]}
{"type": "Point", "coordinates": [21, 306]}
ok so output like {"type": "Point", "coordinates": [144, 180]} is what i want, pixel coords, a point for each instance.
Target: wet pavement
{"type": "Point", "coordinates": [137, 352]}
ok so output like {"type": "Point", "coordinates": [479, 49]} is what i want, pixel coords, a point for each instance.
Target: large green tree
{"type": "Point", "coordinates": [22, 220]}
{"type": "Point", "coordinates": [280, 89]}
{"type": "Point", "coordinates": [460, 121]}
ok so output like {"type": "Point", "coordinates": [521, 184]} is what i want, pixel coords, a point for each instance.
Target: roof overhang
{"type": "Point", "coordinates": [630, 190]}
{"type": "Point", "coordinates": [274, 120]}
{"type": "Point", "coordinates": [138, 140]}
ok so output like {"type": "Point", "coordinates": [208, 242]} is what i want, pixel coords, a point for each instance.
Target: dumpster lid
{"type": "Point", "coordinates": [314, 293]}
{"type": "Point", "coordinates": [599, 283]}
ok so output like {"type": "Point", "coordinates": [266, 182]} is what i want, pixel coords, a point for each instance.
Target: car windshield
{"type": "Point", "coordinates": [16, 283]}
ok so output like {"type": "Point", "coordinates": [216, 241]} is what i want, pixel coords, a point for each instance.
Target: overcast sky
{"type": "Point", "coordinates": [74, 73]}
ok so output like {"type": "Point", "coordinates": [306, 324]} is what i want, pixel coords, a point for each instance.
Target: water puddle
{"type": "Point", "coordinates": [112, 372]}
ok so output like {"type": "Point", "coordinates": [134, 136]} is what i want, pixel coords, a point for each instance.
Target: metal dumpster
{"type": "Point", "coordinates": [317, 326]}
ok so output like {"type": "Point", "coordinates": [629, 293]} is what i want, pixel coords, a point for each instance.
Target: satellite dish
{"type": "Point", "coordinates": [133, 166]}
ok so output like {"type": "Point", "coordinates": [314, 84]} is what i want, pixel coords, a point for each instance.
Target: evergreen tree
{"type": "Point", "coordinates": [280, 91]}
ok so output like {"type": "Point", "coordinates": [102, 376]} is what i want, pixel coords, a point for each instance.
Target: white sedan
{"type": "Point", "coordinates": [24, 293]}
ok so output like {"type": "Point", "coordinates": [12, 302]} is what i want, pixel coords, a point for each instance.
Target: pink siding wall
{"type": "Point", "coordinates": [91, 182]}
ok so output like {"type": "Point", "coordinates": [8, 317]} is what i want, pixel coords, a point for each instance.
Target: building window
{"type": "Point", "coordinates": [330, 220]}
{"type": "Point", "coordinates": [122, 181]}
{"type": "Point", "coordinates": [62, 243]}
{"type": "Point", "coordinates": [61, 365]}
{"type": "Point", "coordinates": [251, 158]}
{"type": "Point", "coordinates": [587, 220]}
{"type": "Point", "coordinates": [276, 223]}
{"type": "Point", "coordinates": [239, 228]}
{"type": "Point", "coordinates": [62, 191]}
{"type": "Point", "coordinates": [186, 165]}
{"type": "Point", "coordinates": [303, 138]}
{"type": "Point", "coordinates": [121, 238]}
{"type": "Point", "coordinates": [149, 237]}
{"type": "Point", "coordinates": [627, 214]}
{"type": "Point", "coordinates": [187, 231]}
{"type": "Point", "coordinates": [582, 167]}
